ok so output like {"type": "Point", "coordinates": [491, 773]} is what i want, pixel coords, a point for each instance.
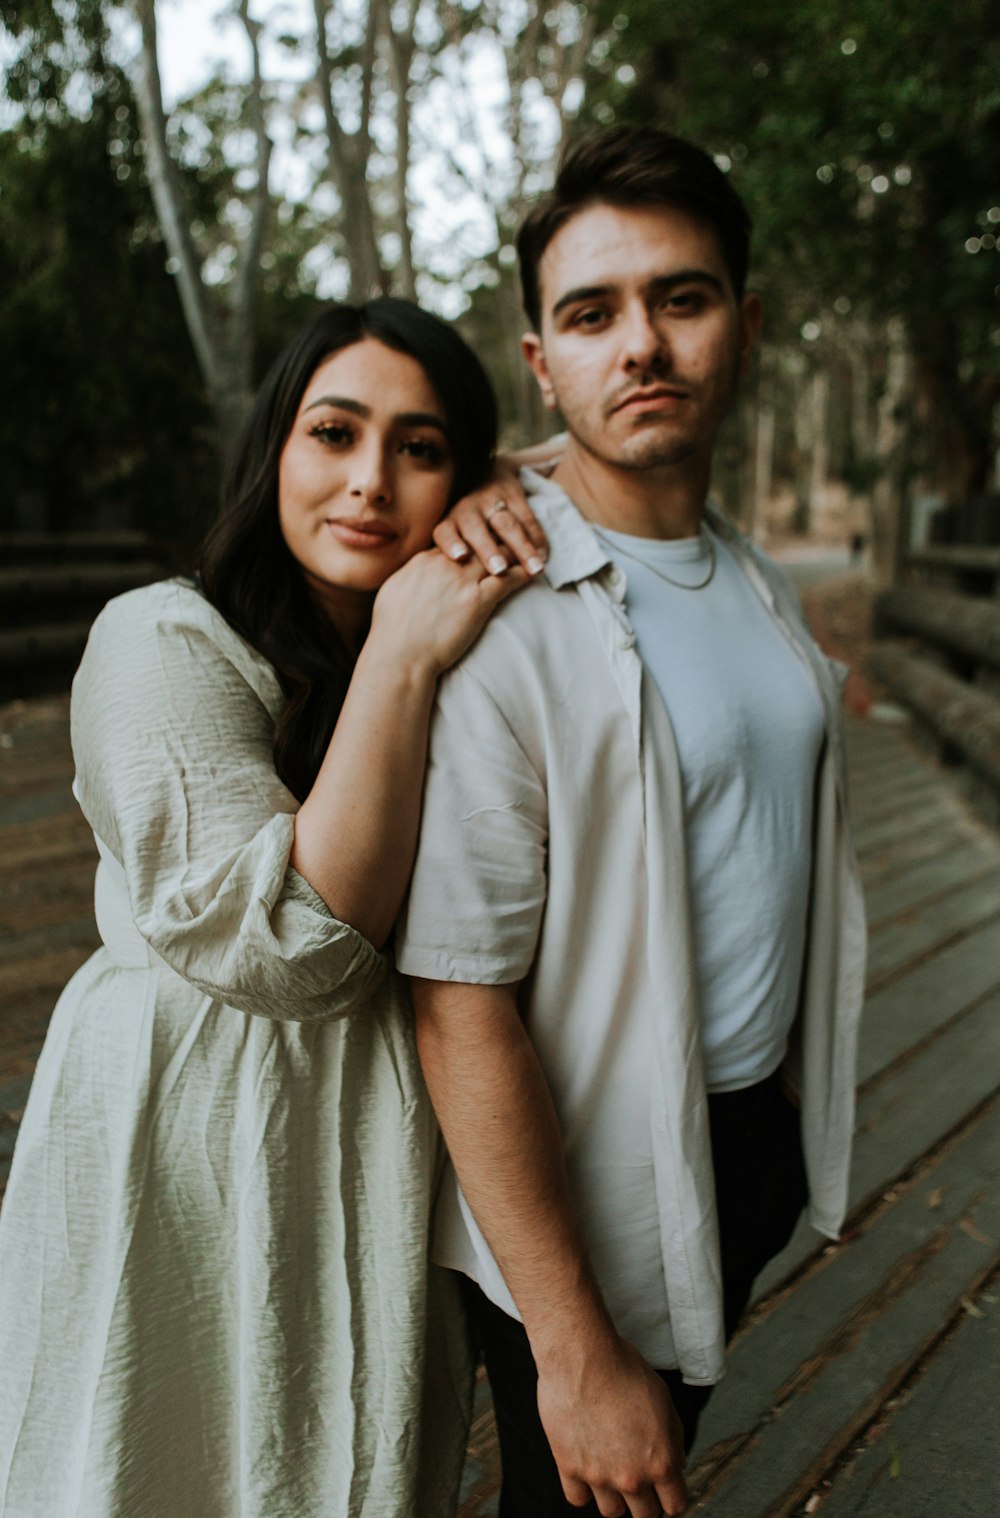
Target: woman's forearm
{"type": "Point", "coordinates": [356, 831]}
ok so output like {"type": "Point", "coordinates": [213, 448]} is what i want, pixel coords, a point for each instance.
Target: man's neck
{"type": "Point", "coordinates": [667, 501]}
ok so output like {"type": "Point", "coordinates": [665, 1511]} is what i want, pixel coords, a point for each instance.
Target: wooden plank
{"type": "Point", "coordinates": [888, 778]}
{"type": "Point", "coordinates": [937, 1450]}
{"type": "Point", "coordinates": [924, 843]}
{"type": "Point", "coordinates": [46, 898]}
{"type": "Point", "coordinates": [940, 807]}
{"type": "Point", "coordinates": [924, 929]}
{"type": "Point", "coordinates": [968, 625]}
{"type": "Point", "coordinates": [923, 882]}
{"type": "Point", "coordinates": [24, 958]}
{"type": "Point", "coordinates": [906, 1116]}
{"type": "Point", "coordinates": [960, 714]}
{"type": "Point", "coordinates": [49, 640]}
{"type": "Point", "coordinates": [900, 794]}
{"type": "Point", "coordinates": [56, 547]}
{"type": "Point", "coordinates": [902, 1014]}
{"type": "Point", "coordinates": [977, 560]}
{"type": "Point", "coordinates": [32, 806]}
{"type": "Point", "coordinates": [849, 1336]}
{"type": "Point", "coordinates": [44, 832]}
{"type": "Point", "coordinates": [28, 584]}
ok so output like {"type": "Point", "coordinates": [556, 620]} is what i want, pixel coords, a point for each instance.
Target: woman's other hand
{"type": "Point", "coordinates": [429, 612]}
{"type": "Point", "coordinates": [496, 524]}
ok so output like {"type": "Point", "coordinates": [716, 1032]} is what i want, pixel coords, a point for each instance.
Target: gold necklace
{"type": "Point", "coordinates": [706, 538]}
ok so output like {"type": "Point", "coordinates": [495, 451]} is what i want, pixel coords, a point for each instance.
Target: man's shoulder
{"type": "Point", "coordinates": [530, 617]}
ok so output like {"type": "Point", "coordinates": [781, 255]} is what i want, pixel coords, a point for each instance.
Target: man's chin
{"type": "Point", "coordinates": [654, 453]}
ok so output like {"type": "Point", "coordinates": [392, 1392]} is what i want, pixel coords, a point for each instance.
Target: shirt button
{"type": "Point", "coordinates": [627, 640]}
{"type": "Point", "coordinates": [614, 576]}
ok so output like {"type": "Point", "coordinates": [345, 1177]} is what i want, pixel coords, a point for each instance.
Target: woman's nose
{"type": "Point", "coordinates": [370, 478]}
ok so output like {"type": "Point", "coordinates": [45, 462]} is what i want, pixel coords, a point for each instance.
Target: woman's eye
{"type": "Point", "coordinates": [422, 448]}
{"type": "Point", "coordinates": [333, 434]}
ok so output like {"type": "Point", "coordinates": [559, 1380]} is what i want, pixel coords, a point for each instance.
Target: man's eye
{"type": "Point", "coordinates": [589, 318]}
{"type": "Point", "coordinates": [333, 434]}
{"type": "Point", "coordinates": [684, 302]}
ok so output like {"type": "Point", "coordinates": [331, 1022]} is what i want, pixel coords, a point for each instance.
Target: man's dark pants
{"type": "Point", "coordinates": [760, 1186]}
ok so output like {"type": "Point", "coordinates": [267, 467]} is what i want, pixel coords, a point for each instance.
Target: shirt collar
{"type": "Point", "coordinates": [575, 550]}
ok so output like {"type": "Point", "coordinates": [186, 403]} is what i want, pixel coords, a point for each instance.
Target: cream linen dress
{"type": "Point", "coordinates": [214, 1296]}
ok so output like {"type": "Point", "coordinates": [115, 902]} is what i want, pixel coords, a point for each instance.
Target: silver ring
{"type": "Point", "coordinates": [497, 506]}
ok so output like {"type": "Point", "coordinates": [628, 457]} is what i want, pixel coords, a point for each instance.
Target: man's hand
{"type": "Point", "coordinates": [615, 1435]}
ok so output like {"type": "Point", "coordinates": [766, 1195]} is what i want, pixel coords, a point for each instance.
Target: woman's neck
{"type": "Point", "coordinates": [349, 611]}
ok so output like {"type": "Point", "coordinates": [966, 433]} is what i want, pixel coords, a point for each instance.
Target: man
{"type": "Point", "coordinates": [635, 916]}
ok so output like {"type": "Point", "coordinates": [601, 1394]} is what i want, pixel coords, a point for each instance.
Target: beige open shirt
{"type": "Point", "coordinates": [552, 854]}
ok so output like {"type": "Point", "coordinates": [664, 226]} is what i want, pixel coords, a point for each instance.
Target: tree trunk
{"type": "Point", "coordinates": [222, 335]}
{"type": "Point", "coordinates": [819, 460]}
{"type": "Point", "coordinates": [891, 436]}
{"type": "Point", "coordinates": [763, 461]}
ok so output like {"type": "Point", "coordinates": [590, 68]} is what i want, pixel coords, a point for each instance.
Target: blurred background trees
{"type": "Point", "coordinates": [156, 251]}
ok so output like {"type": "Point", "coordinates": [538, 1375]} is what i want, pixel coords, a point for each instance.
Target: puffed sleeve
{"type": "Point", "coordinates": [477, 893]}
{"type": "Point", "coordinates": [172, 724]}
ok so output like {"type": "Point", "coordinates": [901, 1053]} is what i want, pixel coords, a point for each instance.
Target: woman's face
{"type": "Point", "coordinates": [366, 471]}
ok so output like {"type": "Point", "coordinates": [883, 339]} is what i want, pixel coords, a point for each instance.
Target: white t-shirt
{"type": "Point", "coordinates": [748, 726]}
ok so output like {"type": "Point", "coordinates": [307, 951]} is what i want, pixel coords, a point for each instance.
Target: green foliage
{"type": "Point", "coordinates": [101, 419]}
{"type": "Point", "coordinates": [865, 142]}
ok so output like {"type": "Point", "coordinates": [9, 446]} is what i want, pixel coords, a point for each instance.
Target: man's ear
{"type": "Point", "coordinates": [534, 354]}
{"type": "Point", "coordinates": [751, 321]}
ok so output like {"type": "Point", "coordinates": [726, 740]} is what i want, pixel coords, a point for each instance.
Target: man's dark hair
{"type": "Point", "coordinates": [634, 166]}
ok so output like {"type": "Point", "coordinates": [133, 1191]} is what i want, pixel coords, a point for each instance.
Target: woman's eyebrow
{"type": "Point", "coordinates": [358, 408]}
{"type": "Point", "coordinates": [345, 404]}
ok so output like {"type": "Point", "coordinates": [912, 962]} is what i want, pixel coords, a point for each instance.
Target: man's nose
{"type": "Point", "coordinates": [644, 343]}
{"type": "Point", "coordinates": [370, 476]}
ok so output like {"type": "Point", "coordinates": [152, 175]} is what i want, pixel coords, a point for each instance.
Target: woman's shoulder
{"type": "Point", "coordinates": [175, 615]}
{"type": "Point", "coordinates": [163, 604]}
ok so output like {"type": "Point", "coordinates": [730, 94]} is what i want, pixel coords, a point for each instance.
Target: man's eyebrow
{"type": "Point", "coordinates": [358, 408]}
{"type": "Point", "coordinates": [660, 284]}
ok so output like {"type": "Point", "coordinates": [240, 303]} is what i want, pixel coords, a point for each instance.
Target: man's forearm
{"type": "Point", "coordinates": [608, 1418]}
{"type": "Point", "coordinates": [496, 1112]}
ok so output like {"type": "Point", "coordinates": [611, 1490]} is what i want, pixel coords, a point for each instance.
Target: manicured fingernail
{"type": "Point", "coordinates": [458, 551]}
{"type": "Point", "coordinates": [535, 565]}
{"type": "Point", "coordinates": [497, 565]}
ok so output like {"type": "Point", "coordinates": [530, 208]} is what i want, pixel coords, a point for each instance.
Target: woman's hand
{"type": "Point", "coordinates": [496, 524]}
{"type": "Point", "coordinates": [432, 609]}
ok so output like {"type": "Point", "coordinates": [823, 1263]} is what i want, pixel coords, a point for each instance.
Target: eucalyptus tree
{"type": "Point", "coordinates": [866, 140]}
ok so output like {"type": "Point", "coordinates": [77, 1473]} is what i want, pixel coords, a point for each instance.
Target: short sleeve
{"type": "Point", "coordinates": [477, 893]}
{"type": "Point", "coordinates": [172, 738]}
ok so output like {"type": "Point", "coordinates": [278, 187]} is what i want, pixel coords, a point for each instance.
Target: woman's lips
{"type": "Point", "coordinates": [357, 532]}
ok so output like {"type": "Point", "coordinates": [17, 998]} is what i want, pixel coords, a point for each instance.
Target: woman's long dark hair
{"type": "Point", "coordinates": [246, 569]}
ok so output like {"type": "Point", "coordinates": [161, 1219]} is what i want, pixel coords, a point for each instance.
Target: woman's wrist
{"type": "Point", "coordinates": [405, 671]}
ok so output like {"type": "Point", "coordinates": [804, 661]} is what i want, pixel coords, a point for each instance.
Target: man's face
{"type": "Point", "coordinates": [642, 338]}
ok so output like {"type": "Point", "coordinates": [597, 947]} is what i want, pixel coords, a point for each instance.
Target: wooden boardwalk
{"type": "Point", "coordinates": [867, 1382]}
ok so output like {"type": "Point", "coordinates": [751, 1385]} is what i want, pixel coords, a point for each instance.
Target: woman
{"type": "Point", "coordinates": [213, 1291]}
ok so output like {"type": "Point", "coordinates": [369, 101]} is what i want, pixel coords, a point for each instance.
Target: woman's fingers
{"type": "Point", "coordinates": [497, 525]}
{"type": "Point", "coordinates": [516, 526]}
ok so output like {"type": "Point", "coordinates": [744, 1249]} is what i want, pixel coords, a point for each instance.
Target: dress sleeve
{"type": "Point", "coordinates": [172, 742]}
{"type": "Point", "coordinates": [478, 887]}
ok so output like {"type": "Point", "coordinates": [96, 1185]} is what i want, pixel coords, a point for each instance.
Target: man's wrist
{"type": "Point", "coordinates": [566, 1341]}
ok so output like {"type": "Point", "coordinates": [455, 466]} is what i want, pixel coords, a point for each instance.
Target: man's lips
{"type": "Point", "coordinates": [656, 398]}
{"type": "Point", "coordinates": [361, 532]}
